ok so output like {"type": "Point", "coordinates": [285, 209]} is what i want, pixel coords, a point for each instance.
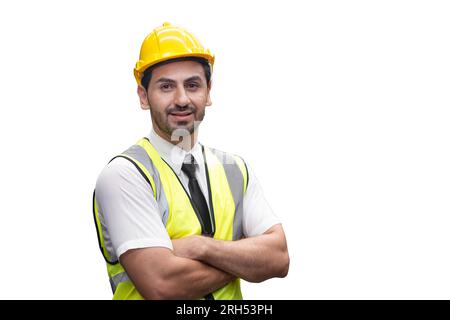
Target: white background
{"type": "Point", "coordinates": [341, 107]}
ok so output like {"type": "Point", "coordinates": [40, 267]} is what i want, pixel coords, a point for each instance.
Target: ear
{"type": "Point", "coordinates": [143, 99]}
{"type": "Point", "coordinates": [208, 98]}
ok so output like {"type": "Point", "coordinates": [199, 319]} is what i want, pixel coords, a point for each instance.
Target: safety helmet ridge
{"type": "Point", "coordinates": [169, 42]}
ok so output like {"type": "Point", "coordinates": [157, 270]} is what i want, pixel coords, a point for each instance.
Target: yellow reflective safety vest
{"type": "Point", "coordinates": [227, 179]}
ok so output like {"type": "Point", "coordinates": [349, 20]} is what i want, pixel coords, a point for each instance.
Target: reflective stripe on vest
{"type": "Point", "coordinates": [227, 179]}
{"type": "Point", "coordinates": [117, 279]}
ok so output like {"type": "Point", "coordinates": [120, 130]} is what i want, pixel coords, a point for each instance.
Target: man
{"type": "Point", "coordinates": [175, 219]}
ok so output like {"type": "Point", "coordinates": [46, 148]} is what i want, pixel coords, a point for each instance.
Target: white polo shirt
{"type": "Point", "coordinates": [129, 213]}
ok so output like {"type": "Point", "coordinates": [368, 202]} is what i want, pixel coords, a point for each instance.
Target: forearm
{"type": "Point", "coordinates": [192, 279]}
{"type": "Point", "coordinates": [158, 274]}
{"type": "Point", "coordinates": [253, 259]}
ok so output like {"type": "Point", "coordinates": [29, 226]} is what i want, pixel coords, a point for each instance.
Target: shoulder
{"type": "Point", "coordinates": [117, 173]}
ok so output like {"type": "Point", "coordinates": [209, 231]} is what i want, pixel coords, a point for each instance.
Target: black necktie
{"type": "Point", "coordinates": [197, 196]}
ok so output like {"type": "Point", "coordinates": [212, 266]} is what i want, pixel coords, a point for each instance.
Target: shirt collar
{"type": "Point", "coordinates": [173, 154]}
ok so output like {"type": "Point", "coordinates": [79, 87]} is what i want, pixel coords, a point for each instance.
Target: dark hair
{"type": "Point", "coordinates": [205, 64]}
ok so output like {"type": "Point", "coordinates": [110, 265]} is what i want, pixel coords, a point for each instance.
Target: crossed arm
{"type": "Point", "coordinates": [200, 265]}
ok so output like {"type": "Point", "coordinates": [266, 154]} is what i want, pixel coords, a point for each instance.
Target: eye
{"type": "Point", "coordinates": [192, 85]}
{"type": "Point", "coordinates": [166, 86]}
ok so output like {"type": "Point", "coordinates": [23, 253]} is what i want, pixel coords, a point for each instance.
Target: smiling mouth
{"type": "Point", "coordinates": [180, 115]}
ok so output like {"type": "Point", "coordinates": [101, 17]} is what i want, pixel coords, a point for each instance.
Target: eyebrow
{"type": "Point", "coordinates": [193, 78]}
{"type": "Point", "coordinates": [167, 80]}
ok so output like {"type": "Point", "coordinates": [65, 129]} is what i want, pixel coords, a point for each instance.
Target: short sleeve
{"type": "Point", "coordinates": [128, 211]}
{"type": "Point", "coordinates": [258, 215]}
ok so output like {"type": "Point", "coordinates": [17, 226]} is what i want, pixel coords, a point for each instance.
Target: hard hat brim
{"type": "Point", "coordinates": [140, 69]}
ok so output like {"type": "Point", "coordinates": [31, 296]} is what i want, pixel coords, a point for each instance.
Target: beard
{"type": "Point", "coordinates": [177, 129]}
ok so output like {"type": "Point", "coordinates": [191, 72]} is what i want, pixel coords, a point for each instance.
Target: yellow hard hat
{"type": "Point", "coordinates": [169, 42]}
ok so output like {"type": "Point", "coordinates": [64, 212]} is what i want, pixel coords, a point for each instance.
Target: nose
{"type": "Point", "coordinates": [181, 98]}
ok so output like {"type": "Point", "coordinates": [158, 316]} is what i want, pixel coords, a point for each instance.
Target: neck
{"type": "Point", "coordinates": [184, 142]}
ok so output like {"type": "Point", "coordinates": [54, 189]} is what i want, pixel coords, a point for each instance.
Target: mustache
{"type": "Point", "coordinates": [177, 108]}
